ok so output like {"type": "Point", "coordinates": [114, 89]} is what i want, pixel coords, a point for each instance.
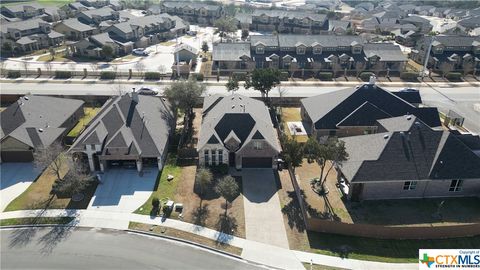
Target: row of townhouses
{"type": "Point", "coordinates": [337, 53]}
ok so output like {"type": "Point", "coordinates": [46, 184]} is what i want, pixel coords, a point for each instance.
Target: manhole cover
{"type": "Point", "coordinates": [77, 197]}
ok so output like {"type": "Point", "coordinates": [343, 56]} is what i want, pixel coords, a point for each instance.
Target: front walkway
{"type": "Point", "coordinates": [270, 255]}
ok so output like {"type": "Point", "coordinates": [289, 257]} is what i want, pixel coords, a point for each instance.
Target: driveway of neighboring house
{"type": "Point", "coordinates": [263, 216]}
{"type": "Point", "coordinates": [15, 178]}
{"type": "Point", "coordinates": [123, 190]}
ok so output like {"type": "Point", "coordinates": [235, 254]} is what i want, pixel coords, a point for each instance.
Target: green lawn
{"type": "Point", "coordinates": [89, 114]}
{"type": "Point", "coordinates": [33, 221]}
{"type": "Point", "coordinates": [164, 189]}
{"type": "Point", "coordinates": [394, 251]}
{"type": "Point", "coordinates": [42, 2]}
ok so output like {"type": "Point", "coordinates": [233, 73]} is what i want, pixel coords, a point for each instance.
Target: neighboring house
{"type": "Point", "coordinates": [470, 25]}
{"type": "Point", "coordinates": [29, 35]}
{"type": "Point", "coordinates": [148, 30]}
{"type": "Point", "coordinates": [36, 122]}
{"type": "Point", "coordinates": [238, 131]}
{"type": "Point", "coordinates": [232, 57]}
{"type": "Point", "coordinates": [96, 16]}
{"type": "Point", "coordinates": [130, 130]}
{"type": "Point", "coordinates": [339, 27]}
{"type": "Point", "coordinates": [94, 3]}
{"type": "Point", "coordinates": [73, 29]}
{"type": "Point", "coordinates": [54, 14]}
{"type": "Point", "coordinates": [449, 53]}
{"type": "Point", "coordinates": [286, 21]}
{"type": "Point", "coordinates": [184, 58]}
{"type": "Point", "coordinates": [354, 111]}
{"type": "Point", "coordinates": [423, 25]}
{"type": "Point", "coordinates": [314, 53]}
{"type": "Point", "coordinates": [194, 12]}
{"type": "Point", "coordinates": [78, 7]}
{"type": "Point", "coordinates": [409, 159]}
{"type": "Point", "coordinates": [23, 11]}
{"type": "Point", "coordinates": [92, 46]}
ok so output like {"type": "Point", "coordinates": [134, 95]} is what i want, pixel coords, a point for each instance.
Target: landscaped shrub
{"type": "Point", "coordinates": [198, 76]}
{"type": "Point", "coordinates": [239, 76]}
{"type": "Point", "coordinates": [408, 76]}
{"type": "Point", "coordinates": [221, 168]}
{"type": "Point", "coordinates": [365, 76]}
{"type": "Point", "coordinates": [14, 74]}
{"type": "Point", "coordinates": [454, 76]}
{"type": "Point", "coordinates": [60, 74]}
{"type": "Point", "coordinates": [107, 75]}
{"type": "Point", "coordinates": [325, 76]}
{"type": "Point", "coordinates": [154, 76]}
{"type": "Point", "coordinates": [284, 76]}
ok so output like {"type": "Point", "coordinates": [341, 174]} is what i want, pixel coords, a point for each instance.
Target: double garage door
{"type": "Point", "coordinates": [17, 156]}
{"type": "Point", "coordinates": [257, 162]}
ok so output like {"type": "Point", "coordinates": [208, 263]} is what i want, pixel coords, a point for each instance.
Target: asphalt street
{"type": "Point", "coordinates": [66, 248]}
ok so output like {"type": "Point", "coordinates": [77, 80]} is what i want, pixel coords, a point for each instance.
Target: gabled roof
{"type": "Point", "coordinates": [242, 117]}
{"type": "Point", "coordinates": [329, 109]}
{"type": "Point", "coordinates": [77, 25]}
{"type": "Point", "coordinates": [409, 151]}
{"type": "Point", "coordinates": [143, 126]}
{"type": "Point", "coordinates": [230, 51]}
{"type": "Point", "coordinates": [37, 120]}
{"type": "Point", "coordinates": [365, 115]}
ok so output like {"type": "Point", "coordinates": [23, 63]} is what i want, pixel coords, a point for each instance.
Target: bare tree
{"type": "Point", "coordinates": [52, 53]}
{"type": "Point", "coordinates": [53, 158]}
{"type": "Point", "coordinates": [71, 66]}
{"type": "Point", "coordinates": [93, 67]}
{"type": "Point", "coordinates": [162, 69]}
{"type": "Point", "coordinates": [75, 181]}
{"type": "Point", "coordinates": [119, 89]}
{"type": "Point", "coordinates": [446, 68]}
{"type": "Point", "coordinates": [115, 69]}
{"type": "Point", "coordinates": [25, 65]}
{"type": "Point", "coordinates": [48, 66]}
{"type": "Point", "coordinates": [140, 67]}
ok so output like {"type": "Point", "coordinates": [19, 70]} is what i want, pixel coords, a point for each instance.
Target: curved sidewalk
{"type": "Point", "coordinates": [253, 251]}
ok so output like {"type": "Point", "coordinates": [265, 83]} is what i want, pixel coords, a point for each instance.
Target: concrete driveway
{"type": "Point", "coordinates": [15, 178]}
{"type": "Point", "coordinates": [123, 190]}
{"type": "Point", "coordinates": [263, 216]}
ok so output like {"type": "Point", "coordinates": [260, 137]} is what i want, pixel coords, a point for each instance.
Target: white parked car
{"type": "Point", "coordinates": [140, 51]}
{"type": "Point", "coordinates": [148, 91]}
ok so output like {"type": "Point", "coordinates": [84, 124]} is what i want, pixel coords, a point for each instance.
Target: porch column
{"type": "Point", "coordinates": [160, 163]}
{"type": "Point", "coordinates": [90, 162]}
{"type": "Point", "coordinates": [139, 165]}
{"type": "Point", "coordinates": [238, 162]}
{"type": "Point", "coordinates": [103, 165]}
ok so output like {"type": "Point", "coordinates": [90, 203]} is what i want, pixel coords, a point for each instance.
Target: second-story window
{"type": "Point", "coordinates": [257, 145]}
{"type": "Point", "coordinates": [301, 50]}
{"type": "Point", "coordinates": [207, 156]}
{"type": "Point", "coordinates": [214, 157]}
{"type": "Point", "coordinates": [260, 49]}
{"type": "Point", "coordinates": [410, 185]}
{"type": "Point", "coordinates": [317, 50]}
{"type": "Point", "coordinates": [456, 185]}
{"type": "Point", "coordinates": [220, 156]}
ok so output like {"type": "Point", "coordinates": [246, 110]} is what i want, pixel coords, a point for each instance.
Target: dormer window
{"type": "Point", "coordinates": [357, 50]}
{"type": "Point", "coordinates": [301, 50]}
{"type": "Point", "coordinates": [438, 50]}
{"type": "Point", "coordinates": [260, 49]}
{"type": "Point", "coordinates": [317, 50]}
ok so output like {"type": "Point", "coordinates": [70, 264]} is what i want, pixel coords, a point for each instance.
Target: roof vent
{"type": "Point", "coordinates": [40, 130]}
{"type": "Point", "coordinates": [26, 98]}
{"type": "Point", "coordinates": [409, 117]}
{"type": "Point", "coordinates": [386, 136]}
{"type": "Point", "coordinates": [402, 133]}
{"type": "Point", "coordinates": [372, 80]}
{"type": "Point", "coordinates": [233, 106]}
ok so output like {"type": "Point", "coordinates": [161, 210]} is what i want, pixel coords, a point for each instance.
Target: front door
{"type": "Point", "coordinates": [231, 159]}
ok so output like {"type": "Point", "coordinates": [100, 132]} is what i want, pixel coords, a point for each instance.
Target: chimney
{"type": "Point", "coordinates": [134, 95]}
{"type": "Point", "coordinates": [372, 80]}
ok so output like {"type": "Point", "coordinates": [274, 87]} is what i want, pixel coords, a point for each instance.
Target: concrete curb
{"type": "Point", "coordinates": [186, 242]}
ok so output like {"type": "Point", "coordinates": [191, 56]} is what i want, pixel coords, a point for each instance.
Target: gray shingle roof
{"type": "Point", "coordinates": [243, 115]}
{"type": "Point", "coordinates": [290, 14]}
{"type": "Point", "coordinates": [192, 5]}
{"type": "Point", "coordinates": [23, 119]}
{"type": "Point", "coordinates": [410, 151]}
{"type": "Point", "coordinates": [329, 109]}
{"type": "Point", "coordinates": [22, 25]}
{"type": "Point", "coordinates": [144, 126]}
{"type": "Point", "coordinates": [103, 12]}
{"type": "Point", "coordinates": [230, 51]}
{"type": "Point", "coordinates": [324, 40]}
{"type": "Point", "coordinates": [126, 27]}
{"type": "Point", "coordinates": [386, 51]}
{"type": "Point", "coordinates": [453, 40]}
{"type": "Point", "coordinates": [77, 25]}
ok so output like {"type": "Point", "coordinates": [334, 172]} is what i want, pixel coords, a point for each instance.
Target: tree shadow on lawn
{"type": "Point", "coordinates": [227, 226]}
{"type": "Point", "coordinates": [200, 214]}
{"type": "Point", "coordinates": [293, 212]}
